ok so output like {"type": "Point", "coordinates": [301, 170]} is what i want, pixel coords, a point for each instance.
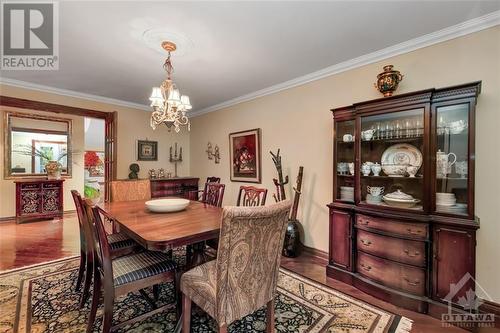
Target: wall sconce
{"type": "Point", "coordinates": [213, 153]}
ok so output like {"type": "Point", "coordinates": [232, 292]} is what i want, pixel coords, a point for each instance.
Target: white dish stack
{"type": "Point", "coordinates": [447, 202]}
{"type": "Point", "coordinates": [347, 193]}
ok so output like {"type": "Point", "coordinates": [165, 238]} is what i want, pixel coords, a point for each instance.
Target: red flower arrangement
{"type": "Point", "coordinates": [91, 159]}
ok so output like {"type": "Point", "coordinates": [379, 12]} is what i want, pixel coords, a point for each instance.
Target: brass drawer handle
{"type": "Point", "coordinates": [363, 222]}
{"type": "Point", "coordinates": [365, 242]}
{"type": "Point", "coordinates": [416, 283]}
{"type": "Point", "coordinates": [365, 267]}
{"type": "Point", "coordinates": [412, 232]}
{"type": "Point", "coordinates": [411, 255]}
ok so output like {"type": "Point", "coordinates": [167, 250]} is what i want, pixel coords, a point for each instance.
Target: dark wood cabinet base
{"type": "Point", "coordinates": [407, 301]}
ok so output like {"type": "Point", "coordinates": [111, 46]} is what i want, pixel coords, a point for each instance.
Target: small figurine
{"type": "Point", "coordinates": [161, 173]}
{"type": "Point", "coordinates": [134, 171]}
{"type": "Point", "coordinates": [152, 174]}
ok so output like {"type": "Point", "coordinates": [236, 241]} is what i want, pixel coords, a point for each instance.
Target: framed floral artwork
{"type": "Point", "coordinates": [245, 156]}
{"type": "Point", "coordinates": [147, 150]}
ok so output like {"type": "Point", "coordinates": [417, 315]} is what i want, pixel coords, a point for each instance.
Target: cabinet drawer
{"type": "Point", "coordinates": [29, 186]}
{"type": "Point", "coordinates": [391, 274]}
{"type": "Point", "coordinates": [405, 251]}
{"type": "Point", "coordinates": [412, 230]}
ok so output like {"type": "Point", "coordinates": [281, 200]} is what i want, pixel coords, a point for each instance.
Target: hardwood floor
{"type": "Point", "coordinates": [36, 242]}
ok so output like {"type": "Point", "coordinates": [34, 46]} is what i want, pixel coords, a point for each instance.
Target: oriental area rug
{"type": "Point", "coordinates": [42, 299]}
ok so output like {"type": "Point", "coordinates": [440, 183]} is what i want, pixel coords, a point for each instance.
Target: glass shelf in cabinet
{"type": "Point", "coordinates": [395, 140]}
{"type": "Point", "coordinates": [417, 177]}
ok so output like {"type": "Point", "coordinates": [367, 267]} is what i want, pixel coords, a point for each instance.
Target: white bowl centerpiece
{"type": "Point", "coordinates": [167, 205]}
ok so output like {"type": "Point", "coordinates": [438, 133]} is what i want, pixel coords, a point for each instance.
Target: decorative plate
{"type": "Point", "coordinates": [400, 154]}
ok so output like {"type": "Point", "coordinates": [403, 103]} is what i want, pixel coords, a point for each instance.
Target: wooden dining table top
{"type": "Point", "coordinates": [164, 231]}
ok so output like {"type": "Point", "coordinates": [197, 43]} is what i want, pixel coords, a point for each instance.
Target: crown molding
{"type": "Point", "coordinates": [71, 93]}
{"type": "Point", "coordinates": [477, 24]}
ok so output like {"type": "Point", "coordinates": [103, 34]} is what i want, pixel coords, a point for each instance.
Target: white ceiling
{"type": "Point", "coordinates": [235, 48]}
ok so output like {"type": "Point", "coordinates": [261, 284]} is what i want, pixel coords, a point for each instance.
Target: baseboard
{"type": "Point", "coordinates": [13, 218]}
{"type": "Point", "coordinates": [319, 254]}
{"type": "Point", "coordinates": [491, 307]}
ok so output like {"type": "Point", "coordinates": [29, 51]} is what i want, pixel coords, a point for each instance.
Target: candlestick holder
{"type": "Point", "coordinates": [174, 158]}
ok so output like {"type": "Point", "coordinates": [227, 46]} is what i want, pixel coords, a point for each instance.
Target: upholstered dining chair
{"type": "Point", "coordinates": [130, 190]}
{"type": "Point", "coordinates": [119, 276]}
{"type": "Point", "coordinates": [120, 244]}
{"type": "Point", "coordinates": [244, 277]}
{"type": "Point", "coordinates": [251, 196]}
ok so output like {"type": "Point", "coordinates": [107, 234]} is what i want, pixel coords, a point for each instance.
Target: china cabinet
{"type": "Point", "coordinates": [402, 223]}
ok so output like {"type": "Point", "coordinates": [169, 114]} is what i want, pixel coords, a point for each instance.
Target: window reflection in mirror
{"type": "Point", "coordinates": [34, 140]}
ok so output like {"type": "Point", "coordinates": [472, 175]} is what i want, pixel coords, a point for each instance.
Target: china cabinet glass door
{"type": "Point", "coordinates": [344, 151]}
{"type": "Point", "coordinates": [391, 159]}
{"type": "Point", "coordinates": [452, 159]}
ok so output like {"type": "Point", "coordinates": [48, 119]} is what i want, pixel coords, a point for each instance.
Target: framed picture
{"type": "Point", "coordinates": [147, 150]}
{"type": "Point", "coordinates": [245, 155]}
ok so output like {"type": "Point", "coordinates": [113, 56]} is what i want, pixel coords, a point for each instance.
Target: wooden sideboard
{"type": "Point", "coordinates": [184, 187]}
{"type": "Point", "coordinates": [38, 199]}
{"type": "Point", "coordinates": [420, 257]}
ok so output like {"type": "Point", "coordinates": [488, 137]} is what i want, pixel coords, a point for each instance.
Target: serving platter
{"type": "Point", "coordinates": [399, 155]}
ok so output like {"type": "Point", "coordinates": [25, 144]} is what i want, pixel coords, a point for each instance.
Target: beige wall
{"type": "Point", "coordinates": [299, 122]}
{"type": "Point", "coordinates": [133, 125]}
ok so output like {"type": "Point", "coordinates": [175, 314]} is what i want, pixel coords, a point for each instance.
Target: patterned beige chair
{"type": "Point", "coordinates": [244, 276]}
{"type": "Point", "coordinates": [130, 190]}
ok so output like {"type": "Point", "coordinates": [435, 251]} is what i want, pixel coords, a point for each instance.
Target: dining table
{"type": "Point", "coordinates": [197, 223]}
{"type": "Point", "coordinates": [194, 225]}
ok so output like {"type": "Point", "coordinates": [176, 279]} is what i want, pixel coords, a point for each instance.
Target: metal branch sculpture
{"type": "Point", "coordinates": [279, 183]}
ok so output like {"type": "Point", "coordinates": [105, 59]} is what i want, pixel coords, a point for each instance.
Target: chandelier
{"type": "Point", "coordinates": [169, 106]}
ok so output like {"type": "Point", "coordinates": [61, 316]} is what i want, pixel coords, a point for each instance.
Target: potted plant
{"type": "Point", "coordinates": [52, 163]}
{"type": "Point", "coordinates": [92, 189]}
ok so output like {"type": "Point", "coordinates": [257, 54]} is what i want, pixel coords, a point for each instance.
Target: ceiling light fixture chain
{"type": "Point", "coordinates": [169, 106]}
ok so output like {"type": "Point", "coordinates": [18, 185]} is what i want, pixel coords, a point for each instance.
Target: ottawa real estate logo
{"type": "Point", "coordinates": [30, 35]}
{"type": "Point", "coordinates": [472, 317]}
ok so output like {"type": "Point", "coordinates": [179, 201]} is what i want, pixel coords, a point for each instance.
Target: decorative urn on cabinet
{"type": "Point", "coordinates": [388, 80]}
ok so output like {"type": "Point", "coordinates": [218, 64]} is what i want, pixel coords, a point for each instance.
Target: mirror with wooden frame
{"type": "Point", "coordinates": [33, 140]}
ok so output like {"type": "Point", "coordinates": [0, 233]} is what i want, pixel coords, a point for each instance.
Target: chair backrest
{"type": "Point", "coordinates": [213, 180]}
{"type": "Point", "coordinates": [130, 190]}
{"type": "Point", "coordinates": [248, 258]}
{"type": "Point", "coordinates": [96, 235]}
{"type": "Point", "coordinates": [77, 199]}
{"type": "Point", "coordinates": [249, 196]}
{"type": "Point", "coordinates": [213, 194]}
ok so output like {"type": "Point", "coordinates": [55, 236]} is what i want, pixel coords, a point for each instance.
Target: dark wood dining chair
{"type": "Point", "coordinates": [221, 287]}
{"type": "Point", "coordinates": [196, 195]}
{"type": "Point", "coordinates": [119, 276]}
{"type": "Point", "coordinates": [213, 179]}
{"type": "Point", "coordinates": [250, 196]}
{"type": "Point", "coordinates": [120, 245]}
{"type": "Point", "coordinates": [213, 194]}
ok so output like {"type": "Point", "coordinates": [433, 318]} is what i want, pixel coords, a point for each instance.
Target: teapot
{"type": "Point", "coordinates": [368, 134]}
{"type": "Point", "coordinates": [443, 164]}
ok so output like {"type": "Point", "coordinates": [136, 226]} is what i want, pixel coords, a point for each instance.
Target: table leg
{"type": "Point", "coordinates": [198, 255]}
